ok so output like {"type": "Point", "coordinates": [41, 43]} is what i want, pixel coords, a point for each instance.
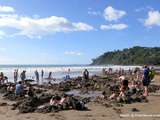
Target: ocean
{"type": "Point", "coordinates": [58, 71]}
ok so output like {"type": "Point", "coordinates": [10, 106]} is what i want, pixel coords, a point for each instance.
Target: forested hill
{"type": "Point", "coordinates": [132, 56]}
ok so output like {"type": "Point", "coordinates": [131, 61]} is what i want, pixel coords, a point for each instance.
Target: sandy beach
{"type": "Point", "coordinates": [146, 111]}
{"type": "Point", "coordinates": [96, 112]}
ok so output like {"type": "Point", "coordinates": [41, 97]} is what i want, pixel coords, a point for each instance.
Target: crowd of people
{"type": "Point", "coordinates": [143, 79]}
{"type": "Point", "coordinates": [126, 86]}
{"type": "Point", "coordinates": [21, 86]}
{"type": "Point", "coordinates": [23, 77]}
{"type": "Point", "coordinates": [20, 89]}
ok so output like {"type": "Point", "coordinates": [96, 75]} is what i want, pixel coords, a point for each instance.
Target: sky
{"type": "Point", "coordinates": [74, 31]}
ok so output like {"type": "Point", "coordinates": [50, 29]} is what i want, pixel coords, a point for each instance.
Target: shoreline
{"type": "Point", "coordinates": [58, 72]}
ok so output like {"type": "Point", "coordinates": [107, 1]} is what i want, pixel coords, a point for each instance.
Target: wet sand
{"type": "Point", "coordinates": [95, 112]}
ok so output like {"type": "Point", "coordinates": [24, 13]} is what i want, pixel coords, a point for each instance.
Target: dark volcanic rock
{"type": "Point", "coordinates": [3, 88]}
{"type": "Point", "coordinates": [28, 105]}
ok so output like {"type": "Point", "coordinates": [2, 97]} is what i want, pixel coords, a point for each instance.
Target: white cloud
{"type": "Point", "coordinates": [111, 14]}
{"type": "Point", "coordinates": [81, 27]}
{"type": "Point", "coordinates": [36, 27]}
{"type": "Point", "coordinates": [153, 18]}
{"type": "Point", "coordinates": [6, 9]}
{"type": "Point", "coordinates": [114, 27]}
{"type": "Point", "coordinates": [73, 53]}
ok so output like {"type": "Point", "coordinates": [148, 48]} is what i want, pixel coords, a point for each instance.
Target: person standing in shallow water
{"type": "Point", "coordinates": [42, 74]}
{"type": "Point", "coordinates": [86, 74]}
{"type": "Point", "coordinates": [37, 76]}
{"type": "Point", "coordinates": [15, 75]}
{"type": "Point", "coordinates": [1, 78]}
{"type": "Point", "coordinates": [50, 75]}
{"type": "Point", "coordinates": [23, 75]}
{"type": "Point", "coordinates": [68, 74]}
{"type": "Point", "coordinates": [146, 80]}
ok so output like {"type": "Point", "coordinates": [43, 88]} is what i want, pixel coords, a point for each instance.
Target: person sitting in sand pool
{"type": "Point", "coordinates": [133, 87]}
{"type": "Point", "coordinates": [10, 89]}
{"type": "Point", "coordinates": [123, 87]}
{"type": "Point", "coordinates": [19, 89]}
{"type": "Point", "coordinates": [113, 95]}
{"type": "Point", "coordinates": [57, 100]}
{"type": "Point", "coordinates": [121, 78]}
{"type": "Point", "coordinates": [146, 80]}
{"type": "Point", "coordinates": [63, 99]}
{"type": "Point", "coordinates": [60, 102]}
{"type": "Point", "coordinates": [30, 90]}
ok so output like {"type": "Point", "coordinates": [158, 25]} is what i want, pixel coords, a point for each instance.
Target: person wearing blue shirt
{"type": "Point", "coordinates": [19, 88]}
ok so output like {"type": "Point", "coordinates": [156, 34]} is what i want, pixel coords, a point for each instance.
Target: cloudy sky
{"type": "Point", "coordinates": [74, 31]}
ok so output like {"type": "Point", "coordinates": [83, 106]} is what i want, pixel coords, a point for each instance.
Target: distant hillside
{"type": "Point", "coordinates": [132, 56]}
